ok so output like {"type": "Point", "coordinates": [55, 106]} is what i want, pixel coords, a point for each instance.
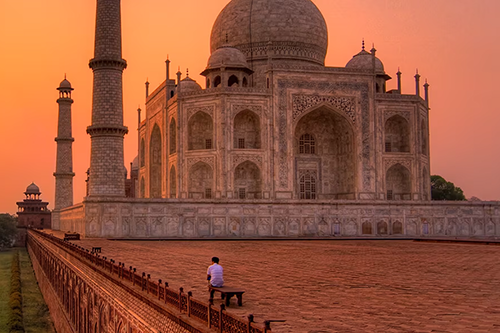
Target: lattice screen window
{"type": "Point", "coordinates": [307, 144]}
{"type": "Point", "coordinates": [389, 195]}
{"type": "Point", "coordinates": [307, 187]}
{"type": "Point", "coordinates": [208, 144]}
{"type": "Point", "coordinates": [208, 193]}
{"type": "Point", "coordinates": [242, 193]}
{"type": "Point", "coordinates": [241, 143]}
{"type": "Point", "coordinates": [388, 147]}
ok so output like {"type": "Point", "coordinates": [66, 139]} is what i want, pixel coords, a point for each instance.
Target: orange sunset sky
{"type": "Point", "coordinates": [455, 44]}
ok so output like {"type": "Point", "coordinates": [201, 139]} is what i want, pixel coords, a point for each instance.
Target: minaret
{"type": "Point", "coordinates": [107, 130]}
{"type": "Point", "coordinates": [64, 159]}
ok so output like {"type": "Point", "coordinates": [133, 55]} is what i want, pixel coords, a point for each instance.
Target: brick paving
{"type": "Point", "coordinates": [336, 286]}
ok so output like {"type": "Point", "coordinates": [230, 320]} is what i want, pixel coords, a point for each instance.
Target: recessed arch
{"type": "Point", "coordinates": [233, 81]}
{"type": "Point", "coordinates": [397, 135]}
{"type": "Point", "coordinates": [217, 81]}
{"type": "Point", "coordinates": [246, 130]}
{"type": "Point", "coordinates": [200, 181]}
{"type": "Point", "coordinates": [398, 183]}
{"type": "Point", "coordinates": [200, 131]}
{"type": "Point", "coordinates": [143, 153]}
{"type": "Point", "coordinates": [247, 181]}
{"type": "Point", "coordinates": [143, 188]}
{"type": "Point", "coordinates": [425, 184]}
{"type": "Point", "coordinates": [424, 137]}
{"type": "Point", "coordinates": [173, 182]}
{"type": "Point", "coordinates": [244, 83]}
{"type": "Point", "coordinates": [382, 228]}
{"type": "Point", "coordinates": [366, 228]}
{"type": "Point", "coordinates": [324, 147]}
{"type": "Point", "coordinates": [397, 228]}
{"type": "Point", "coordinates": [173, 136]}
{"type": "Point", "coordinates": [155, 149]}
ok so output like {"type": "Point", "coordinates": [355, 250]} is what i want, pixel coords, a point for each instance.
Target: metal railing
{"type": "Point", "coordinates": [216, 318]}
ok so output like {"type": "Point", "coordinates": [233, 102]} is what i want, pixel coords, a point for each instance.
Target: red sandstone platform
{"type": "Point", "coordinates": [329, 286]}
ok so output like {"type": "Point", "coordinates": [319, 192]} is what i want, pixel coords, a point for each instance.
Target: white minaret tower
{"type": "Point", "coordinates": [64, 159]}
{"type": "Point", "coordinates": [107, 131]}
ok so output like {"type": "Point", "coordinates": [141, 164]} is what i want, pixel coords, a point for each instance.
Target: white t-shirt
{"type": "Point", "coordinates": [216, 271]}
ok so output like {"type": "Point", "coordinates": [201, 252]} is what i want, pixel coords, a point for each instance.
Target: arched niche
{"type": "Point", "coordinates": [398, 183]}
{"type": "Point", "coordinates": [424, 138]}
{"type": "Point", "coordinates": [173, 182]}
{"type": "Point", "coordinates": [143, 153]}
{"type": "Point", "coordinates": [246, 130]}
{"type": "Point", "coordinates": [200, 181]}
{"type": "Point", "coordinates": [425, 184]}
{"type": "Point", "coordinates": [324, 149]}
{"type": "Point", "coordinates": [217, 81]}
{"type": "Point", "coordinates": [366, 228]}
{"type": "Point", "coordinates": [173, 136]}
{"type": "Point", "coordinates": [247, 181]}
{"type": "Point", "coordinates": [155, 150]}
{"type": "Point", "coordinates": [233, 81]}
{"type": "Point", "coordinates": [397, 135]}
{"type": "Point", "coordinates": [200, 131]}
{"type": "Point", "coordinates": [397, 228]}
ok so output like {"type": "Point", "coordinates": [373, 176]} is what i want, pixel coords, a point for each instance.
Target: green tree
{"type": "Point", "coordinates": [444, 190]}
{"type": "Point", "coordinates": [8, 230]}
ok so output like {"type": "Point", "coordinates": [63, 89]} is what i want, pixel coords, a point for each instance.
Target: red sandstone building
{"type": "Point", "coordinates": [32, 213]}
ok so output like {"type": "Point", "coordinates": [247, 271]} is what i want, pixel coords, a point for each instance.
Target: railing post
{"type": "Point", "coordinates": [166, 286]}
{"type": "Point", "coordinates": [133, 276]}
{"type": "Point", "coordinates": [120, 269]}
{"type": "Point", "coordinates": [209, 315]}
{"type": "Point", "coordinates": [147, 283]}
{"type": "Point", "coordinates": [181, 290]}
{"type": "Point", "coordinates": [221, 322]}
{"type": "Point", "coordinates": [250, 321]}
{"type": "Point", "coordinates": [158, 289]}
{"type": "Point", "coordinates": [267, 326]}
{"type": "Point", "coordinates": [142, 280]}
{"type": "Point", "coordinates": [190, 294]}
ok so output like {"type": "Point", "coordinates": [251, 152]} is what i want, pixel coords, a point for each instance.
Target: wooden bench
{"type": "Point", "coordinates": [71, 236]}
{"type": "Point", "coordinates": [226, 293]}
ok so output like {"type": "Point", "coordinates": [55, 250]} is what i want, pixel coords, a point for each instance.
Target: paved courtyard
{"type": "Point", "coordinates": [336, 286]}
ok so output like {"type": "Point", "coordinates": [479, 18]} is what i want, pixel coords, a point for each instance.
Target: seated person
{"type": "Point", "coordinates": [214, 273]}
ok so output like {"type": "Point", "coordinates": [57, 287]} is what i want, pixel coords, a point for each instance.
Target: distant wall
{"type": "Point", "coordinates": [72, 219]}
{"type": "Point", "coordinates": [163, 218]}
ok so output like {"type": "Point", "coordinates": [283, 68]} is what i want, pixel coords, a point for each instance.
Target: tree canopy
{"type": "Point", "coordinates": [8, 230]}
{"type": "Point", "coordinates": [444, 190]}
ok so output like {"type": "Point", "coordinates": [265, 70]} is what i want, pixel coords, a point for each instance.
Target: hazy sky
{"type": "Point", "coordinates": [453, 43]}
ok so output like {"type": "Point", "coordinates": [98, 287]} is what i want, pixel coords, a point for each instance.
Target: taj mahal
{"type": "Point", "coordinates": [274, 143]}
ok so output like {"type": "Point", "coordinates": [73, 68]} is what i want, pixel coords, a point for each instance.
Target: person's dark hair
{"type": "Point", "coordinates": [215, 260]}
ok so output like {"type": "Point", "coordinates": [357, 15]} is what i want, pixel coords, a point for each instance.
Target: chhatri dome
{"type": "Point", "coordinates": [32, 189]}
{"type": "Point", "coordinates": [293, 29]}
{"type": "Point", "coordinates": [188, 84]}
{"type": "Point", "coordinates": [364, 60]}
{"type": "Point", "coordinates": [227, 56]}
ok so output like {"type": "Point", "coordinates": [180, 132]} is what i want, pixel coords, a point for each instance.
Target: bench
{"type": "Point", "coordinates": [96, 249]}
{"type": "Point", "coordinates": [226, 293]}
{"type": "Point", "coordinates": [71, 236]}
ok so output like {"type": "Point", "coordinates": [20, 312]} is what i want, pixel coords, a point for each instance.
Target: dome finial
{"type": "Point", "coordinates": [363, 44]}
{"type": "Point", "coordinates": [65, 76]}
{"type": "Point", "coordinates": [227, 38]}
{"type": "Point", "coordinates": [187, 72]}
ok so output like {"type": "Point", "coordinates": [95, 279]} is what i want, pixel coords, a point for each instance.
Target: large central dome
{"type": "Point", "coordinates": [292, 29]}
